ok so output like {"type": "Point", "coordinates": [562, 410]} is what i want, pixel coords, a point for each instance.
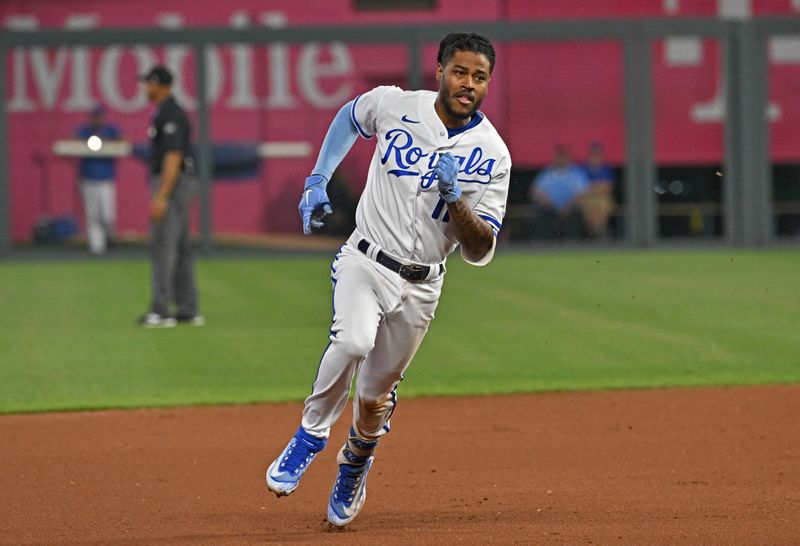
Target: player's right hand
{"type": "Point", "coordinates": [314, 203]}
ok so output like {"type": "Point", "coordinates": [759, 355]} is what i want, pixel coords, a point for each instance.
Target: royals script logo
{"type": "Point", "coordinates": [410, 160]}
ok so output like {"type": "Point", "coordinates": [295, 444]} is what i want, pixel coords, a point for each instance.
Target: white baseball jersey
{"type": "Point", "coordinates": [401, 209]}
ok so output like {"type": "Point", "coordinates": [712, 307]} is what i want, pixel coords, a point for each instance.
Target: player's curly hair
{"type": "Point", "coordinates": [465, 41]}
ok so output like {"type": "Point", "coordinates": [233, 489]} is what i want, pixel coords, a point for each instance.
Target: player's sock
{"type": "Point", "coordinates": [355, 450]}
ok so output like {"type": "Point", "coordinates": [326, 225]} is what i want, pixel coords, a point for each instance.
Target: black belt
{"type": "Point", "coordinates": [409, 272]}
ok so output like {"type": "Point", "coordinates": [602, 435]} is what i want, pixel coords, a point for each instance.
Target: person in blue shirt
{"type": "Point", "coordinates": [96, 176]}
{"type": "Point", "coordinates": [599, 202]}
{"type": "Point", "coordinates": [557, 193]}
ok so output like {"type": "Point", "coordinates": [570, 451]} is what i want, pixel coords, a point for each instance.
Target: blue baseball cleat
{"type": "Point", "coordinates": [349, 493]}
{"type": "Point", "coordinates": [283, 475]}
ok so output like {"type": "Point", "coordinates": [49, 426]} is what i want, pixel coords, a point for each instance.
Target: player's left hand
{"type": "Point", "coordinates": [314, 204]}
{"type": "Point", "coordinates": [446, 171]}
{"type": "Point", "coordinates": [158, 208]}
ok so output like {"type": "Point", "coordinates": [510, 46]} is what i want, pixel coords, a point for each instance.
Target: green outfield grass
{"type": "Point", "coordinates": [528, 322]}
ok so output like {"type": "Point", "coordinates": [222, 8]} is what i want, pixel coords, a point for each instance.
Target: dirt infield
{"type": "Point", "coordinates": [711, 466]}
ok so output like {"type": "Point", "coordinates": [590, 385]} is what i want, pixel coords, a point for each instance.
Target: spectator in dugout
{"type": "Point", "coordinates": [557, 193]}
{"type": "Point", "coordinates": [598, 203]}
{"type": "Point", "coordinates": [97, 185]}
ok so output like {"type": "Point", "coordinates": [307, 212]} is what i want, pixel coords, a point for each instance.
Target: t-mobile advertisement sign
{"type": "Point", "coordinates": [541, 94]}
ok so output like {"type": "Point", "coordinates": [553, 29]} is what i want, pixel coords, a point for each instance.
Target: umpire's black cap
{"type": "Point", "coordinates": [158, 75]}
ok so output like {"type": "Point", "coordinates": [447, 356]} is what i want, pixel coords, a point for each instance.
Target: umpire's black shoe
{"type": "Point", "coordinates": [194, 320]}
{"type": "Point", "coordinates": [154, 320]}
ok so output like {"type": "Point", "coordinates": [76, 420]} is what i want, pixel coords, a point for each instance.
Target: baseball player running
{"type": "Point", "coordinates": [438, 179]}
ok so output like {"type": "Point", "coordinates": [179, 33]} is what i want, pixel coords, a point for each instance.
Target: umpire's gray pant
{"type": "Point", "coordinates": [171, 254]}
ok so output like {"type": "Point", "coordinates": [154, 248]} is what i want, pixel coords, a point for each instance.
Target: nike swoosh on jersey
{"type": "Point", "coordinates": [407, 120]}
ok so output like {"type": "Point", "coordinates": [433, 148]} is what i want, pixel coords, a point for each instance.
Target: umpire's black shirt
{"type": "Point", "coordinates": [170, 131]}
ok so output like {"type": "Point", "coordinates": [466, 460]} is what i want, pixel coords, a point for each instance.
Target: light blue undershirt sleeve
{"type": "Point", "coordinates": [341, 136]}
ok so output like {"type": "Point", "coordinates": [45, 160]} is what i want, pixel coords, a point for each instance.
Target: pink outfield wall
{"type": "Point", "coordinates": [541, 94]}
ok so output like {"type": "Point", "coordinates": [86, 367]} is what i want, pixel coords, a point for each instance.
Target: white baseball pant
{"type": "Point", "coordinates": [379, 322]}
{"type": "Point", "coordinates": [99, 204]}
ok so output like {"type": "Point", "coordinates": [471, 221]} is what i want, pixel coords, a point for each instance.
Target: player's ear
{"type": "Point", "coordinates": [439, 70]}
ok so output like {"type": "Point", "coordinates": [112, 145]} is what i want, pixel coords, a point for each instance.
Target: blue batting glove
{"type": "Point", "coordinates": [446, 171]}
{"type": "Point", "coordinates": [314, 204]}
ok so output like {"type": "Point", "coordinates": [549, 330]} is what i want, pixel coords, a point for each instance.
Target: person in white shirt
{"type": "Point", "coordinates": [438, 180]}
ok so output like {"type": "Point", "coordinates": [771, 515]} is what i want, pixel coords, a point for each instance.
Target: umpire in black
{"type": "Point", "coordinates": [173, 185]}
